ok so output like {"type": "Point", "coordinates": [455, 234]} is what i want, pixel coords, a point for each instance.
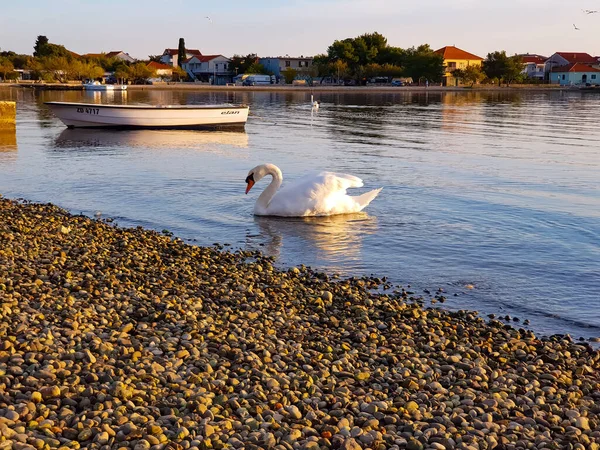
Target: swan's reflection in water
{"type": "Point", "coordinates": [325, 242]}
{"type": "Point", "coordinates": [155, 139]}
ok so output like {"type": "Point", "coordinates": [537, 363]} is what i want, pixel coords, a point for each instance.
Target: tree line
{"type": "Point", "coordinates": [360, 58]}
{"type": "Point", "coordinates": [53, 62]}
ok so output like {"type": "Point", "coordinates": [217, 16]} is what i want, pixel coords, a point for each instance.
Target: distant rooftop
{"type": "Point", "coordinates": [578, 57]}
{"type": "Point", "coordinates": [452, 52]}
{"type": "Point", "coordinates": [188, 51]}
{"type": "Point", "coordinates": [575, 67]}
{"type": "Point", "coordinates": [159, 66]}
{"type": "Point", "coordinates": [203, 58]}
{"type": "Point", "coordinates": [533, 58]}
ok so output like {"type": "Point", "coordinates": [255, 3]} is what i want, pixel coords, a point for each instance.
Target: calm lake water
{"type": "Point", "coordinates": [500, 191]}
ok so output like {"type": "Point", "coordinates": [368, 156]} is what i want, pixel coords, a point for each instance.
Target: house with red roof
{"type": "Point", "coordinates": [161, 70]}
{"type": "Point", "coordinates": [575, 74]}
{"type": "Point", "coordinates": [565, 58]}
{"type": "Point", "coordinates": [534, 66]}
{"type": "Point", "coordinates": [456, 58]}
{"type": "Point", "coordinates": [209, 68]}
{"type": "Point", "coordinates": [170, 55]}
{"type": "Point", "coordinates": [119, 54]}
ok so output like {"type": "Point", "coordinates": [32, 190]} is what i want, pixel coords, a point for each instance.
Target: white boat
{"type": "Point", "coordinates": [97, 86]}
{"type": "Point", "coordinates": [95, 115]}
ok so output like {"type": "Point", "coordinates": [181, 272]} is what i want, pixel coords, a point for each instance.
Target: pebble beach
{"type": "Point", "coordinates": [126, 338]}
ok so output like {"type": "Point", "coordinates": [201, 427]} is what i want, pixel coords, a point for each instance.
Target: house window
{"type": "Point", "coordinates": [287, 64]}
{"type": "Point", "coordinates": [563, 77]}
{"type": "Point", "coordinates": [593, 76]}
{"type": "Point", "coordinates": [224, 66]}
{"type": "Point", "coordinates": [299, 63]}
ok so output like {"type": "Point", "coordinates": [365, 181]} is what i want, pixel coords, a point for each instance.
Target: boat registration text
{"type": "Point", "coordinates": [88, 110]}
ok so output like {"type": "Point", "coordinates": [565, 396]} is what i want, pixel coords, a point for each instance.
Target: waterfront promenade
{"type": "Point", "coordinates": [372, 89]}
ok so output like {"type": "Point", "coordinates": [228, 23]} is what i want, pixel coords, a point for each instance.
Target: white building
{"type": "Point", "coordinates": [279, 64]}
{"type": "Point", "coordinates": [534, 66]}
{"type": "Point", "coordinates": [209, 68]}
{"type": "Point", "coordinates": [170, 55]}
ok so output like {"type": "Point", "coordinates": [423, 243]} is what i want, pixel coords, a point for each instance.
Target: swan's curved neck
{"type": "Point", "coordinates": [267, 195]}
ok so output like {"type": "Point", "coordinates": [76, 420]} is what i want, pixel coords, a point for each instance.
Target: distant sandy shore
{"type": "Point", "coordinates": [288, 88]}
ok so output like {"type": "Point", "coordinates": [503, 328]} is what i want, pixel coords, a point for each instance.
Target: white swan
{"type": "Point", "coordinates": [316, 195]}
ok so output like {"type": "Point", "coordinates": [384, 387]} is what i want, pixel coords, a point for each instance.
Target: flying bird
{"type": "Point", "coordinates": [575, 26]}
{"type": "Point", "coordinates": [590, 11]}
{"type": "Point", "coordinates": [210, 20]}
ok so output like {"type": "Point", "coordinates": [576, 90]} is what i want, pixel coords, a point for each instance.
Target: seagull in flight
{"type": "Point", "coordinates": [575, 26]}
{"type": "Point", "coordinates": [590, 11]}
{"type": "Point", "coordinates": [210, 20]}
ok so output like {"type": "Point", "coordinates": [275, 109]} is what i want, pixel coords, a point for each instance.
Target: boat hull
{"type": "Point", "coordinates": [87, 115]}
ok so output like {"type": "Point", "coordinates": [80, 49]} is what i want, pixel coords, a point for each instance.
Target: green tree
{"type": "Point", "coordinates": [123, 73]}
{"type": "Point", "coordinates": [181, 52]}
{"type": "Point", "coordinates": [36, 68]}
{"type": "Point", "coordinates": [339, 69]}
{"type": "Point", "coordinates": [57, 67]}
{"type": "Point", "coordinates": [40, 43]}
{"type": "Point", "coordinates": [241, 63]}
{"type": "Point", "coordinates": [179, 74]}
{"type": "Point", "coordinates": [369, 54]}
{"type": "Point", "coordinates": [257, 68]}
{"type": "Point", "coordinates": [140, 72]}
{"type": "Point", "coordinates": [289, 74]}
{"type": "Point", "coordinates": [502, 67]}
{"type": "Point", "coordinates": [515, 69]}
{"type": "Point", "coordinates": [344, 51]}
{"type": "Point", "coordinates": [471, 74]}
{"type": "Point", "coordinates": [155, 58]}
{"type": "Point", "coordinates": [6, 67]}
{"type": "Point", "coordinates": [391, 55]}
{"type": "Point", "coordinates": [423, 63]}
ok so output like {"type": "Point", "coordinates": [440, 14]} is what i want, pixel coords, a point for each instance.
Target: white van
{"type": "Point", "coordinates": [254, 80]}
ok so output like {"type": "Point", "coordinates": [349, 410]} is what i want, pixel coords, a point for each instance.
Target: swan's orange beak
{"type": "Point", "coordinates": [250, 181]}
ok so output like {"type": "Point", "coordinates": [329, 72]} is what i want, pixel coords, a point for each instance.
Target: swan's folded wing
{"type": "Point", "coordinates": [321, 185]}
{"type": "Point", "coordinates": [340, 181]}
{"type": "Point", "coordinates": [314, 195]}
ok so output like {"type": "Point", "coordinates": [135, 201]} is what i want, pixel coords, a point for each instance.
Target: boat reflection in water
{"type": "Point", "coordinates": [328, 243]}
{"type": "Point", "coordinates": [180, 139]}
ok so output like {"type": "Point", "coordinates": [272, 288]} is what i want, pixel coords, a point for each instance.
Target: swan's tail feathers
{"type": "Point", "coordinates": [366, 198]}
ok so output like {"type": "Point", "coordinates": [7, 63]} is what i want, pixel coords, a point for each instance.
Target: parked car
{"type": "Point", "coordinates": [379, 80]}
{"type": "Point", "coordinates": [397, 83]}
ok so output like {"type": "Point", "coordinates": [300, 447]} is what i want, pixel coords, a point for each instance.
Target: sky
{"type": "Point", "coordinates": [300, 27]}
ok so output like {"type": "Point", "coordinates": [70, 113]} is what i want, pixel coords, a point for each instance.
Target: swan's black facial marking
{"type": "Point", "coordinates": [250, 178]}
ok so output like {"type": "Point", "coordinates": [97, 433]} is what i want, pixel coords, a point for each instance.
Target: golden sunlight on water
{"type": "Point", "coordinates": [150, 138]}
{"type": "Point", "coordinates": [8, 139]}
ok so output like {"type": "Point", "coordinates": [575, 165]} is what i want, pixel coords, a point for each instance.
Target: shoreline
{"type": "Point", "coordinates": [127, 338]}
{"type": "Point", "coordinates": [313, 89]}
